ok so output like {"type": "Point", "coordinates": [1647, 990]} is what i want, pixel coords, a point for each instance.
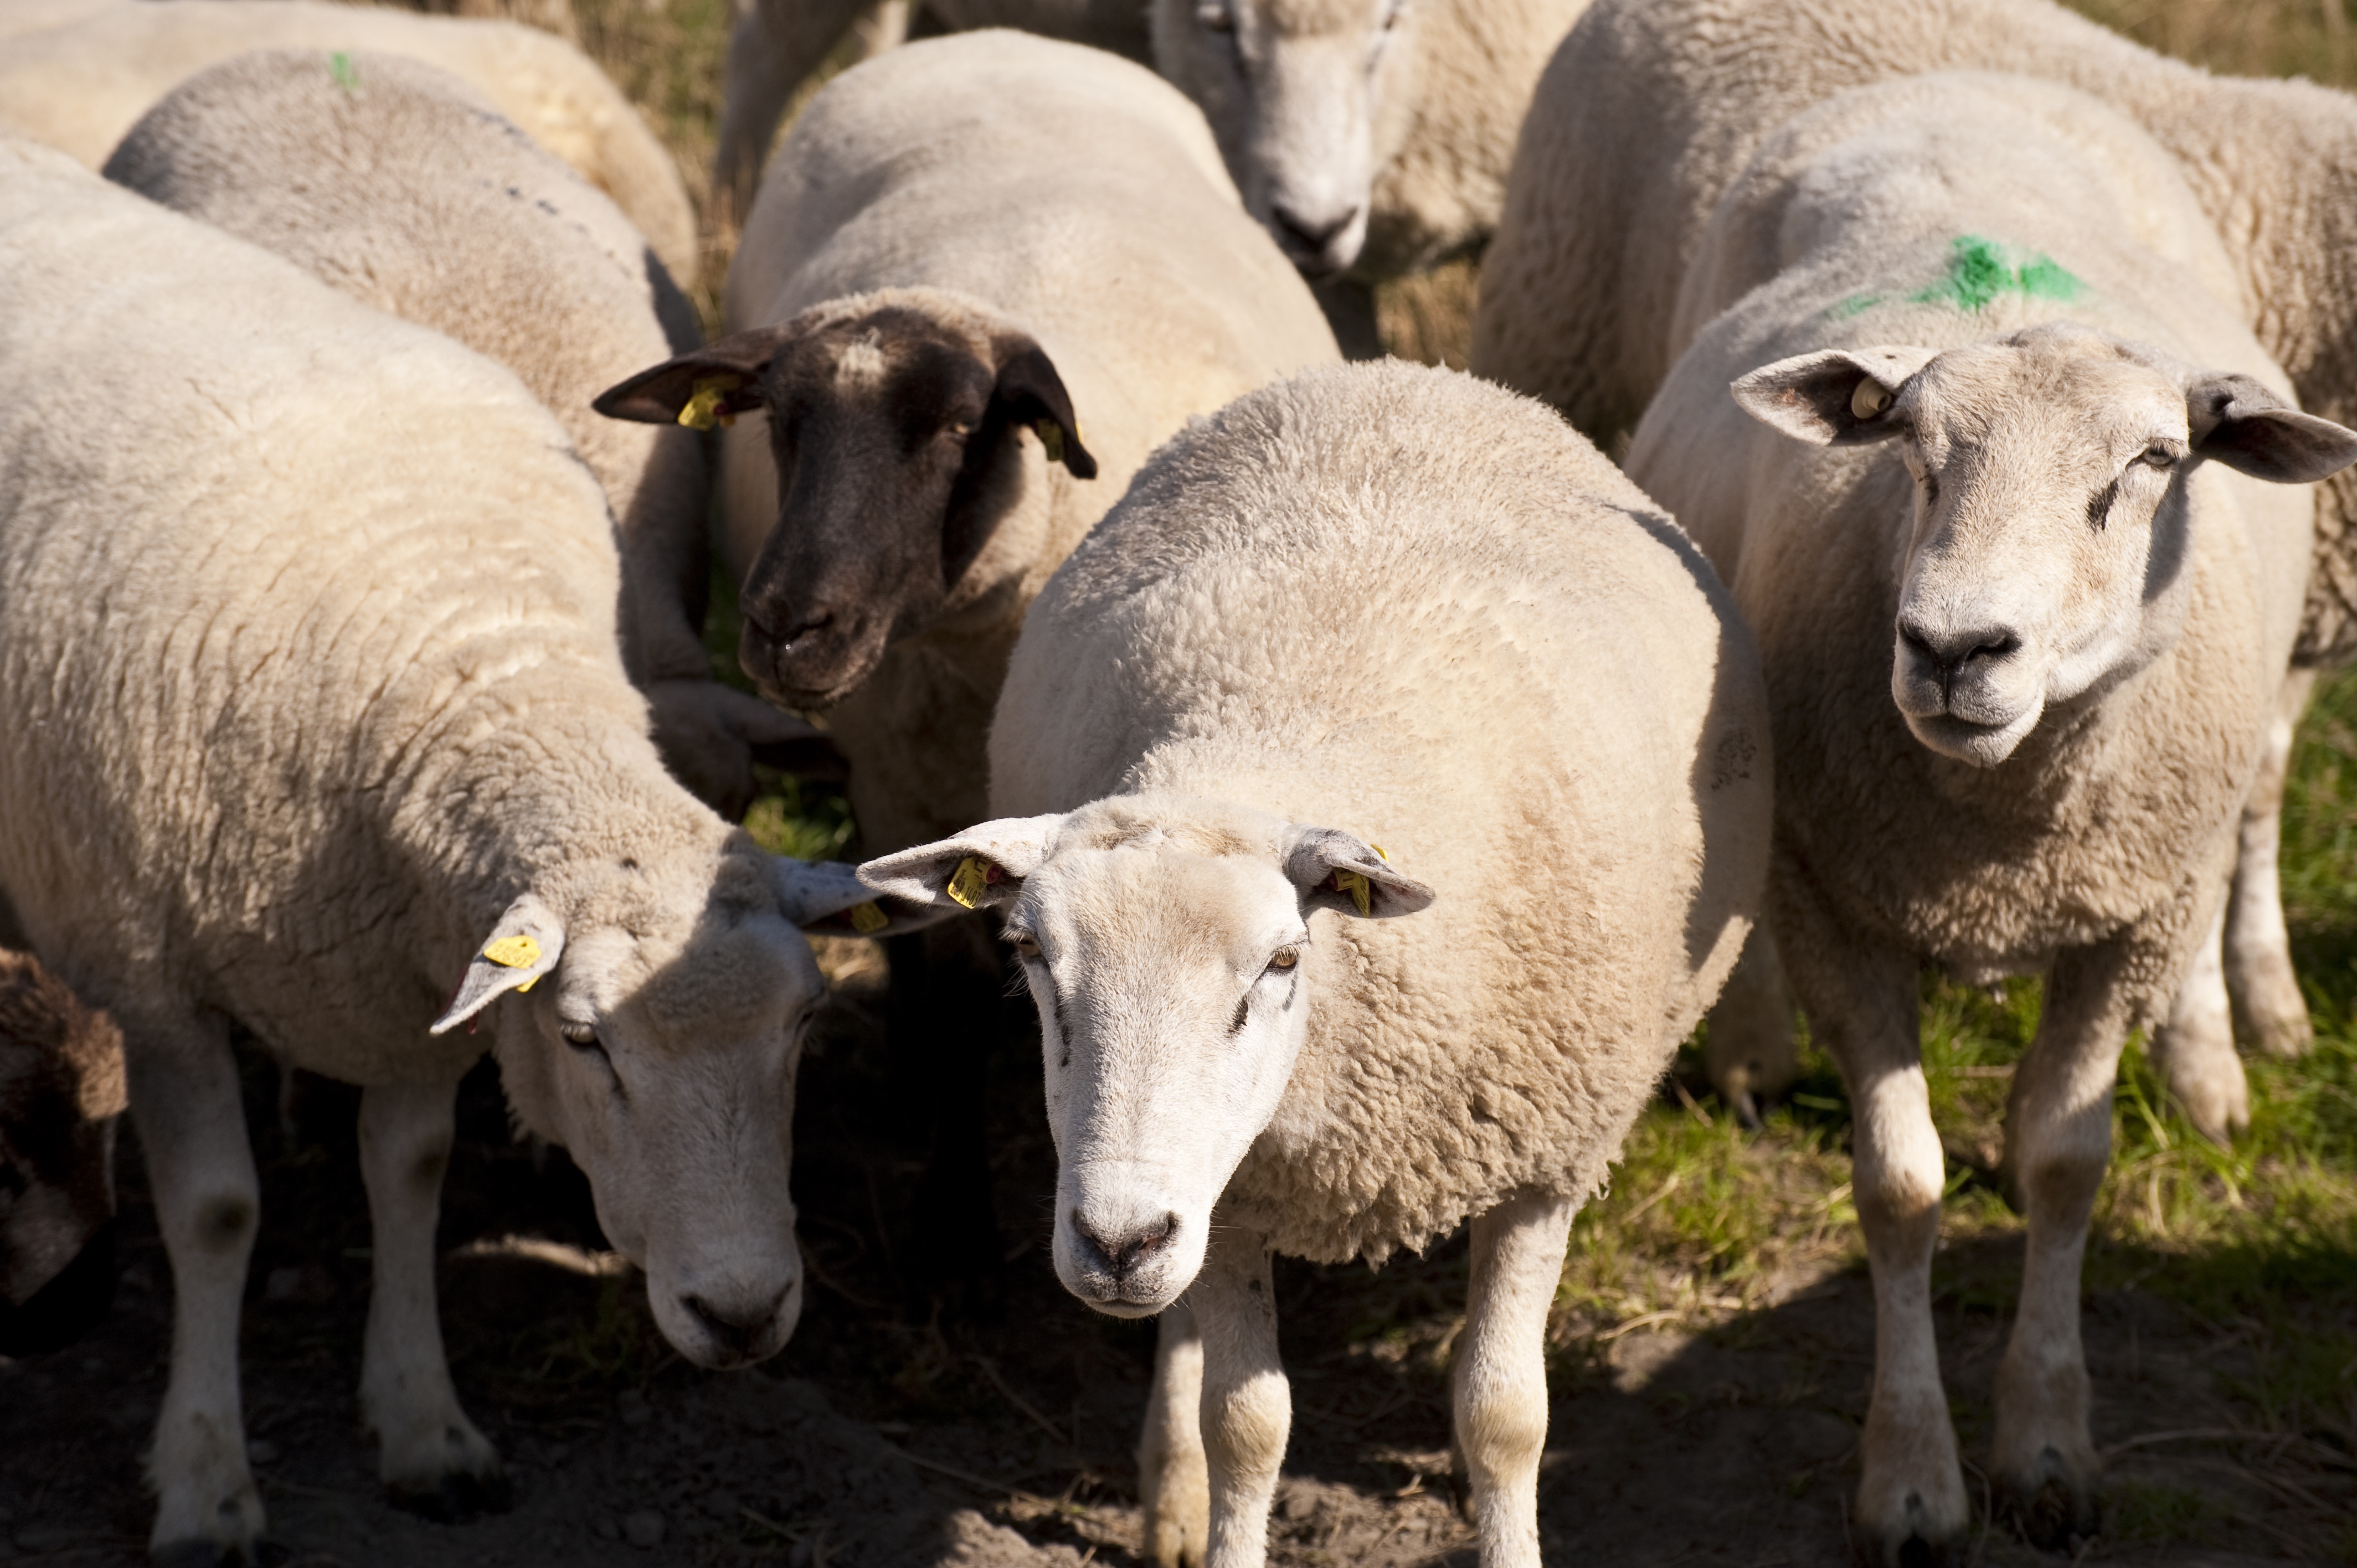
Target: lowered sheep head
{"type": "Point", "coordinates": [61, 1092]}
{"type": "Point", "coordinates": [1309, 99]}
{"type": "Point", "coordinates": [1167, 944]}
{"type": "Point", "coordinates": [661, 1050]}
{"type": "Point", "coordinates": [2045, 560]}
{"type": "Point", "coordinates": [899, 422]}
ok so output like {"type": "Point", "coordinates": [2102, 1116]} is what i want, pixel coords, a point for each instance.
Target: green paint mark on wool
{"type": "Point", "coordinates": [1978, 272]}
{"type": "Point", "coordinates": [339, 65]}
{"type": "Point", "coordinates": [1855, 305]}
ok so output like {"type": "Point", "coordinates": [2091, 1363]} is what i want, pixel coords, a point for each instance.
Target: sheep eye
{"type": "Point", "coordinates": [1216, 19]}
{"type": "Point", "coordinates": [1027, 946]}
{"type": "Point", "coordinates": [2158, 456]}
{"type": "Point", "coordinates": [580, 1036]}
{"type": "Point", "coordinates": [958, 428]}
{"type": "Point", "coordinates": [1285, 958]}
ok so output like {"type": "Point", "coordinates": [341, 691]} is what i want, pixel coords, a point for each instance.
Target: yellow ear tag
{"type": "Point", "coordinates": [867, 919]}
{"type": "Point", "coordinates": [1379, 853]}
{"type": "Point", "coordinates": [972, 877]}
{"type": "Point", "coordinates": [1355, 883]}
{"type": "Point", "coordinates": [702, 411]}
{"type": "Point", "coordinates": [515, 952]}
{"type": "Point", "coordinates": [1052, 437]}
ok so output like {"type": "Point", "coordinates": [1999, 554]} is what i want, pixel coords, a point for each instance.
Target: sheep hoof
{"type": "Point", "coordinates": [2054, 1508]}
{"type": "Point", "coordinates": [455, 1498]}
{"type": "Point", "coordinates": [1913, 1541]}
{"type": "Point", "coordinates": [201, 1554]}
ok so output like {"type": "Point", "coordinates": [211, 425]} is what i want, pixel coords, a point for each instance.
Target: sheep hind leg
{"type": "Point", "coordinates": [432, 1460]}
{"type": "Point", "coordinates": [1500, 1377]}
{"type": "Point", "coordinates": [2269, 1007]}
{"type": "Point", "coordinates": [1750, 1055]}
{"type": "Point", "coordinates": [1247, 1409]}
{"type": "Point", "coordinates": [1174, 1489]}
{"type": "Point", "coordinates": [2194, 1051]}
{"type": "Point", "coordinates": [185, 1098]}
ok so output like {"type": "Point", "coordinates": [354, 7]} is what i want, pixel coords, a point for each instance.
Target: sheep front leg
{"type": "Point", "coordinates": [2259, 976]}
{"type": "Point", "coordinates": [2059, 1139]}
{"type": "Point", "coordinates": [1501, 1393]}
{"type": "Point", "coordinates": [1172, 1485]}
{"type": "Point", "coordinates": [432, 1460]}
{"type": "Point", "coordinates": [1247, 1409]}
{"type": "Point", "coordinates": [183, 1097]}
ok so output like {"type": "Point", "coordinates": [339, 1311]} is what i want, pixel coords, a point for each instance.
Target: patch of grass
{"type": "Point", "coordinates": [2241, 38]}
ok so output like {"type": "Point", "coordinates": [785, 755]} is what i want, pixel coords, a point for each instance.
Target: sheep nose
{"type": "Point", "coordinates": [1121, 1253]}
{"type": "Point", "coordinates": [1306, 237]}
{"type": "Point", "coordinates": [736, 1328]}
{"type": "Point", "coordinates": [1947, 652]}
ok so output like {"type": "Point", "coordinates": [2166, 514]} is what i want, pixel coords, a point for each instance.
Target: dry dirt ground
{"type": "Point", "coordinates": [995, 1428]}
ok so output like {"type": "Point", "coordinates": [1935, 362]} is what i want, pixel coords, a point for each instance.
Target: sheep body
{"type": "Point", "coordinates": [1941, 213]}
{"type": "Point", "coordinates": [309, 647]}
{"type": "Point", "coordinates": [82, 84]}
{"type": "Point", "coordinates": [402, 187]}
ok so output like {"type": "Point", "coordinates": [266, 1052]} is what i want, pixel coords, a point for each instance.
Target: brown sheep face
{"type": "Point", "coordinates": [899, 442]}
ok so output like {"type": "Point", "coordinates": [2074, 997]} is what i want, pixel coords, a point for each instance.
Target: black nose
{"type": "Point", "coordinates": [1116, 1255]}
{"type": "Point", "coordinates": [735, 1329]}
{"type": "Point", "coordinates": [1947, 652]}
{"type": "Point", "coordinates": [1308, 236]}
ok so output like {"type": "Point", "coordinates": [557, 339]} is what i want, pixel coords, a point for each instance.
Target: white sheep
{"type": "Point", "coordinates": [1651, 108]}
{"type": "Point", "coordinates": [307, 658]}
{"type": "Point", "coordinates": [1989, 493]}
{"type": "Point", "coordinates": [1404, 600]}
{"type": "Point", "coordinates": [80, 86]}
{"type": "Point", "coordinates": [402, 185]}
{"type": "Point", "coordinates": [60, 1094]}
{"type": "Point", "coordinates": [1372, 136]}
{"type": "Point", "coordinates": [775, 45]}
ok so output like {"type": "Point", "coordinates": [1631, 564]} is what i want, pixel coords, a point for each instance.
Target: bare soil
{"type": "Point", "coordinates": [994, 1427]}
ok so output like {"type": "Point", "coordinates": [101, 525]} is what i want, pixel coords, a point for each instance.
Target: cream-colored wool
{"type": "Point", "coordinates": [996, 181]}
{"type": "Point", "coordinates": [307, 655]}
{"type": "Point", "coordinates": [1907, 223]}
{"type": "Point", "coordinates": [402, 185]}
{"type": "Point", "coordinates": [82, 84]}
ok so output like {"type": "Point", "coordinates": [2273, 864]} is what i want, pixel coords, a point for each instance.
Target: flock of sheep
{"type": "Point", "coordinates": [1373, 783]}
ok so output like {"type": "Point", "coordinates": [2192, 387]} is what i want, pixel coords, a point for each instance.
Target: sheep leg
{"type": "Point", "coordinates": [2059, 1138]}
{"type": "Point", "coordinates": [2194, 1051]}
{"type": "Point", "coordinates": [1750, 1057]}
{"type": "Point", "coordinates": [184, 1095]}
{"type": "Point", "coordinates": [1247, 1409]}
{"type": "Point", "coordinates": [1500, 1377]}
{"type": "Point", "coordinates": [1860, 999]}
{"type": "Point", "coordinates": [1173, 1487]}
{"type": "Point", "coordinates": [431, 1460]}
{"type": "Point", "coordinates": [773, 45]}
{"type": "Point", "coordinates": [2268, 1006]}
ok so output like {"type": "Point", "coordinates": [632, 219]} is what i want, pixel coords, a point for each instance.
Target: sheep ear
{"type": "Point", "coordinates": [524, 946]}
{"type": "Point", "coordinates": [711, 386]}
{"type": "Point", "coordinates": [827, 896]}
{"type": "Point", "coordinates": [983, 867]}
{"type": "Point", "coordinates": [1836, 397]}
{"type": "Point", "coordinates": [1335, 870]}
{"type": "Point", "coordinates": [2238, 422]}
{"type": "Point", "coordinates": [1032, 394]}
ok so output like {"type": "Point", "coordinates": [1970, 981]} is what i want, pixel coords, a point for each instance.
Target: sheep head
{"type": "Point", "coordinates": [1310, 100]}
{"type": "Point", "coordinates": [61, 1092]}
{"type": "Point", "coordinates": [901, 422]}
{"type": "Point", "coordinates": [1166, 942]}
{"type": "Point", "coordinates": [2044, 561]}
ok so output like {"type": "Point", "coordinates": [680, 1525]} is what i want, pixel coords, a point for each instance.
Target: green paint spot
{"type": "Point", "coordinates": [1855, 305]}
{"type": "Point", "coordinates": [339, 65]}
{"type": "Point", "coordinates": [1978, 272]}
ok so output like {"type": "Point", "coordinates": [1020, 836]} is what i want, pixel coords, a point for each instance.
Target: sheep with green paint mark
{"type": "Point", "coordinates": [2021, 538]}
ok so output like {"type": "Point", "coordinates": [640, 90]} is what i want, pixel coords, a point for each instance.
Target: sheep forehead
{"type": "Point", "coordinates": [888, 358]}
{"type": "Point", "coordinates": [696, 958]}
{"type": "Point", "coordinates": [2076, 397]}
{"type": "Point", "coordinates": [1147, 912]}
{"type": "Point", "coordinates": [1314, 18]}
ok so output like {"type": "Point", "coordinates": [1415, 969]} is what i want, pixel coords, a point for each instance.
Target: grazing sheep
{"type": "Point", "coordinates": [1372, 136]}
{"type": "Point", "coordinates": [1402, 599]}
{"type": "Point", "coordinates": [400, 185]}
{"type": "Point", "coordinates": [1651, 109]}
{"type": "Point", "coordinates": [309, 660]}
{"type": "Point", "coordinates": [60, 1091]}
{"type": "Point", "coordinates": [775, 45]}
{"type": "Point", "coordinates": [1989, 492]}
{"type": "Point", "coordinates": [80, 86]}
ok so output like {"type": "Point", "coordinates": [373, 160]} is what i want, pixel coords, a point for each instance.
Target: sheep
{"type": "Point", "coordinates": [1372, 136]}
{"type": "Point", "coordinates": [933, 298]}
{"type": "Point", "coordinates": [776, 45]}
{"type": "Point", "coordinates": [401, 186]}
{"type": "Point", "coordinates": [80, 85]}
{"type": "Point", "coordinates": [60, 1091]}
{"type": "Point", "coordinates": [2004, 491]}
{"type": "Point", "coordinates": [1651, 107]}
{"type": "Point", "coordinates": [1399, 598]}
{"type": "Point", "coordinates": [307, 654]}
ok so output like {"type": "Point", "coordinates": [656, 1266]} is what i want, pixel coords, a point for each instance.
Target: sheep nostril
{"type": "Point", "coordinates": [1122, 1253]}
{"type": "Point", "coordinates": [1310, 236]}
{"type": "Point", "coordinates": [735, 1331]}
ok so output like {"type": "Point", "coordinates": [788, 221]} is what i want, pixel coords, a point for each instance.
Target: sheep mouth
{"type": "Point", "coordinates": [1981, 744]}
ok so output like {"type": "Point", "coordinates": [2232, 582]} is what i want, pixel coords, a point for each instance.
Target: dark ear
{"type": "Point", "coordinates": [1339, 870]}
{"type": "Point", "coordinates": [1032, 394]}
{"type": "Point", "coordinates": [2237, 422]}
{"type": "Point", "coordinates": [1836, 397]}
{"type": "Point", "coordinates": [711, 386]}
